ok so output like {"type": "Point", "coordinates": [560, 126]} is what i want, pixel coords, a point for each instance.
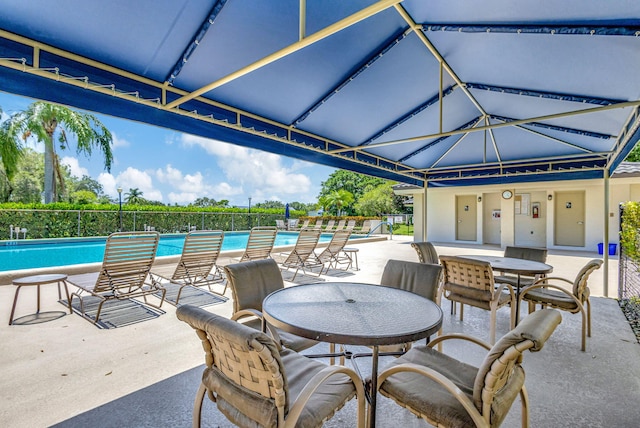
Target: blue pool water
{"type": "Point", "coordinates": [25, 254]}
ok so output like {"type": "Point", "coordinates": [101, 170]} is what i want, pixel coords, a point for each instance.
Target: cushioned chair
{"type": "Point", "coordinates": [419, 278]}
{"type": "Point", "coordinates": [447, 392]}
{"type": "Point", "coordinates": [526, 253]}
{"type": "Point", "coordinates": [548, 293]}
{"type": "Point", "coordinates": [255, 383]}
{"type": "Point", "coordinates": [470, 282]}
{"type": "Point", "coordinates": [426, 252]}
{"type": "Point", "coordinates": [250, 283]}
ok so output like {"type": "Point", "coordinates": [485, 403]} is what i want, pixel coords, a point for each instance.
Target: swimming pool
{"type": "Point", "coordinates": [29, 254]}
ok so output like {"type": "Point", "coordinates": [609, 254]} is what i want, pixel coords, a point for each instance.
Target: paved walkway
{"type": "Point", "coordinates": [70, 373]}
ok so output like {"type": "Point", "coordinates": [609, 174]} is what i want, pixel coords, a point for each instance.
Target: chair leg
{"type": "Point", "coordinates": [524, 398]}
{"type": "Point", "coordinates": [584, 329]}
{"type": "Point", "coordinates": [492, 328]}
{"type": "Point", "coordinates": [588, 303]}
{"type": "Point", "coordinates": [197, 406]}
{"type": "Point", "coordinates": [461, 312]}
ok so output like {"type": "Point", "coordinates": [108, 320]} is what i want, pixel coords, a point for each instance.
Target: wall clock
{"type": "Point", "coordinates": [507, 194]}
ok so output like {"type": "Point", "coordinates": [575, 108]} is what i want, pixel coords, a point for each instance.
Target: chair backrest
{"type": "Point", "coordinates": [305, 224]}
{"type": "Point", "coordinates": [306, 243]}
{"type": "Point", "coordinates": [318, 224]}
{"type": "Point", "coordinates": [366, 226]}
{"type": "Point", "coordinates": [526, 253]}
{"type": "Point", "coordinates": [199, 254]}
{"type": "Point", "coordinates": [252, 281]}
{"type": "Point", "coordinates": [280, 224]}
{"type": "Point", "coordinates": [500, 376]}
{"type": "Point", "coordinates": [340, 225]}
{"type": "Point", "coordinates": [419, 278]}
{"type": "Point", "coordinates": [470, 278]}
{"type": "Point", "coordinates": [260, 243]}
{"type": "Point", "coordinates": [330, 224]}
{"type": "Point", "coordinates": [293, 222]}
{"type": "Point", "coordinates": [426, 252]}
{"type": "Point", "coordinates": [351, 224]}
{"type": "Point", "coordinates": [580, 287]}
{"type": "Point", "coordinates": [337, 243]}
{"type": "Point", "coordinates": [245, 366]}
{"type": "Point", "coordinates": [128, 257]}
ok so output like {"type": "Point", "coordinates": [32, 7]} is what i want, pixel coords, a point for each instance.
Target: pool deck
{"type": "Point", "coordinates": [69, 373]}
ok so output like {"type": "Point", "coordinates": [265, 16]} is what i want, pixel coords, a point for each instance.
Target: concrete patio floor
{"type": "Point", "coordinates": [69, 373]}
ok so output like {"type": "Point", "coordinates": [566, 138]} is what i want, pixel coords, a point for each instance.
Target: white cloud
{"type": "Point", "coordinates": [261, 171]}
{"type": "Point", "coordinates": [189, 187]}
{"type": "Point", "coordinates": [131, 178]}
{"type": "Point", "coordinates": [74, 166]}
{"type": "Point", "coordinates": [119, 142]}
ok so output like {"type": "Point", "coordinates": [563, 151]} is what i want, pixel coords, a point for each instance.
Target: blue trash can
{"type": "Point", "coordinates": [612, 249]}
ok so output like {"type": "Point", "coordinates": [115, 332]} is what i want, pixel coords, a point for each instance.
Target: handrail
{"type": "Point", "coordinates": [379, 226]}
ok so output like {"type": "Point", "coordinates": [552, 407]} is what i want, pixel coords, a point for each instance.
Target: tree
{"type": "Point", "coordinates": [379, 200]}
{"type": "Point", "coordinates": [134, 197]}
{"type": "Point", "coordinates": [26, 184]}
{"type": "Point", "coordinates": [45, 122]}
{"type": "Point", "coordinates": [634, 154]}
{"type": "Point", "coordinates": [353, 182]}
{"type": "Point", "coordinates": [337, 199]}
{"type": "Point", "coordinates": [270, 204]}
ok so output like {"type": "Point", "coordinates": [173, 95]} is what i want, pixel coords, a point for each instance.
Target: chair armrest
{"type": "Point", "coordinates": [498, 290]}
{"type": "Point", "coordinates": [550, 278]}
{"type": "Point", "coordinates": [315, 382]}
{"type": "Point", "coordinates": [246, 313]}
{"type": "Point", "coordinates": [443, 381]}
{"type": "Point", "coordinates": [459, 336]}
{"type": "Point", "coordinates": [553, 287]}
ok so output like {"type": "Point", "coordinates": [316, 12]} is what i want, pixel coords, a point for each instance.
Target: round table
{"type": "Point", "coordinates": [354, 314]}
{"type": "Point", "coordinates": [38, 280]}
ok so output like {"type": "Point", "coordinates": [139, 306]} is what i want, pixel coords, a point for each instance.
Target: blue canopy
{"type": "Point", "coordinates": [454, 92]}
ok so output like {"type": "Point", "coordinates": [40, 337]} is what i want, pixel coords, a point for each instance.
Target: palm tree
{"type": "Point", "coordinates": [339, 198]}
{"type": "Point", "coordinates": [134, 196]}
{"type": "Point", "coordinates": [44, 121]}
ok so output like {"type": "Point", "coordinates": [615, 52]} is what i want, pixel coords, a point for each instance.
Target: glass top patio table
{"type": "Point", "coordinates": [355, 314]}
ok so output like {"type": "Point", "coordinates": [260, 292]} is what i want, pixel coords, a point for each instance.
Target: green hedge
{"type": "Point", "coordinates": [630, 230]}
{"type": "Point", "coordinates": [61, 220]}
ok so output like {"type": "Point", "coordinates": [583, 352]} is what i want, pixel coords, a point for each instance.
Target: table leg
{"type": "Point", "coordinates": [373, 393]}
{"type": "Point", "coordinates": [38, 311]}
{"type": "Point", "coordinates": [13, 308]}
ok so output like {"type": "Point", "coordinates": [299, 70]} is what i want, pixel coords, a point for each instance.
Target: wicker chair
{"type": "Point", "coordinates": [447, 392]}
{"type": "Point", "coordinates": [470, 282]}
{"type": "Point", "coordinates": [535, 254]}
{"type": "Point", "coordinates": [254, 383]}
{"type": "Point", "coordinates": [546, 293]}
{"type": "Point", "coordinates": [250, 283]}
{"type": "Point", "coordinates": [426, 252]}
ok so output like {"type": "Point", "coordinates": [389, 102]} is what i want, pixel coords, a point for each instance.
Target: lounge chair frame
{"type": "Point", "coordinates": [302, 255]}
{"type": "Point", "coordinates": [260, 243]}
{"type": "Point", "coordinates": [332, 255]}
{"type": "Point", "coordinates": [125, 271]}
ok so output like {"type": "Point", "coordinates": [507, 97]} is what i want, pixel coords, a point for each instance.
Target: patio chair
{"type": "Point", "coordinates": [127, 261]}
{"type": "Point", "coordinates": [426, 252]}
{"type": "Point", "coordinates": [447, 392]}
{"type": "Point", "coordinates": [526, 253]}
{"type": "Point", "coordinates": [318, 225]}
{"type": "Point", "coordinates": [256, 383]}
{"type": "Point", "coordinates": [366, 227]}
{"type": "Point", "coordinates": [280, 225]}
{"type": "Point", "coordinates": [260, 243]}
{"type": "Point", "coordinates": [292, 223]}
{"type": "Point", "coordinates": [470, 282]}
{"type": "Point", "coordinates": [197, 265]}
{"type": "Point", "coordinates": [549, 293]}
{"type": "Point", "coordinates": [332, 255]}
{"type": "Point", "coordinates": [302, 256]}
{"type": "Point", "coordinates": [304, 224]}
{"type": "Point", "coordinates": [340, 225]}
{"type": "Point", "coordinates": [351, 224]}
{"type": "Point", "coordinates": [250, 283]}
{"type": "Point", "coordinates": [330, 225]}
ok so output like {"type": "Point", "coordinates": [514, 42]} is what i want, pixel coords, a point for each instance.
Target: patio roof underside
{"type": "Point", "coordinates": [453, 92]}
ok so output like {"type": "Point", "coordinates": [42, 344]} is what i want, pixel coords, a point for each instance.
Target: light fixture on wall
{"type": "Point", "coordinates": [479, 198]}
{"type": "Point", "coordinates": [549, 197]}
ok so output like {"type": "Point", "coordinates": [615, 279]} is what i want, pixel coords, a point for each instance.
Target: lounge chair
{"type": "Point", "coordinates": [351, 224]}
{"type": "Point", "coordinates": [127, 261]}
{"type": "Point", "coordinates": [366, 227]}
{"type": "Point", "coordinates": [302, 256]}
{"type": "Point", "coordinates": [447, 392]}
{"type": "Point", "coordinates": [304, 224]}
{"type": "Point", "coordinates": [332, 255]}
{"type": "Point", "coordinates": [197, 265]}
{"type": "Point", "coordinates": [329, 227]}
{"type": "Point", "coordinates": [318, 225]}
{"type": "Point", "coordinates": [256, 383]}
{"type": "Point", "coordinates": [281, 225]}
{"type": "Point", "coordinates": [292, 223]}
{"type": "Point", "coordinates": [340, 225]}
{"type": "Point", "coordinates": [260, 243]}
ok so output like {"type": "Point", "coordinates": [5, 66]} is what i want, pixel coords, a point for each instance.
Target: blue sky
{"type": "Point", "coordinates": [172, 167]}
